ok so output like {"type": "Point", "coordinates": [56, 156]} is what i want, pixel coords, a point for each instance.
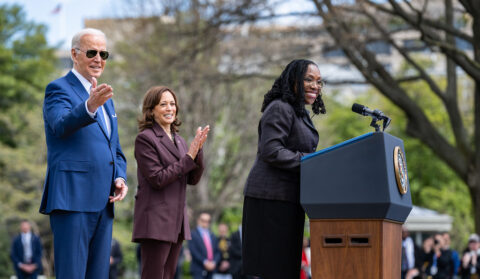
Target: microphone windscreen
{"type": "Point", "coordinates": [358, 108]}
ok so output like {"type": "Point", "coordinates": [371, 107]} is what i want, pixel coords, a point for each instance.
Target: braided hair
{"type": "Point", "coordinates": [289, 87]}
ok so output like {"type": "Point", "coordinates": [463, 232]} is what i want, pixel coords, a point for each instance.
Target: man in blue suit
{"type": "Point", "coordinates": [26, 253]}
{"type": "Point", "coordinates": [204, 249]}
{"type": "Point", "coordinates": [86, 170]}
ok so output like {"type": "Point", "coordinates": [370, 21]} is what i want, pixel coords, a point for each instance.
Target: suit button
{"type": "Point", "coordinates": [314, 149]}
{"type": "Point", "coordinates": [111, 163]}
{"type": "Point", "coordinates": [179, 176]}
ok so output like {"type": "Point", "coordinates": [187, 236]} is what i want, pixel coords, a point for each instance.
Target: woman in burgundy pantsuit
{"type": "Point", "coordinates": [165, 166]}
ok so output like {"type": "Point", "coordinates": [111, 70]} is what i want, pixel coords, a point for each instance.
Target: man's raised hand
{"type": "Point", "coordinates": [98, 95]}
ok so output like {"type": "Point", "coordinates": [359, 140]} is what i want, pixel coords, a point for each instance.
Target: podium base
{"type": "Point", "coordinates": [361, 249]}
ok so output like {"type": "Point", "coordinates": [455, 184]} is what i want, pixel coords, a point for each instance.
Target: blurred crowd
{"type": "Point", "coordinates": [435, 259]}
{"type": "Point", "coordinates": [220, 256]}
{"type": "Point", "coordinates": [216, 257]}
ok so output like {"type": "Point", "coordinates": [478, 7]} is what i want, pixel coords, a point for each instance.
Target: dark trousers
{"type": "Point", "coordinates": [23, 275]}
{"type": "Point", "coordinates": [272, 238]}
{"type": "Point", "coordinates": [204, 275]}
{"type": "Point", "coordinates": [159, 258]}
{"type": "Point", "coordinates": [82, 242]}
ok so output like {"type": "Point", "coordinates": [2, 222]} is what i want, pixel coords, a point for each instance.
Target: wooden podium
{"type": "Point", "coordinates": [357, 197]}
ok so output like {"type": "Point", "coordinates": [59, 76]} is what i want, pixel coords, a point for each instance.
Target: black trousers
{"type": "Point", "coordinates": [272, 237]}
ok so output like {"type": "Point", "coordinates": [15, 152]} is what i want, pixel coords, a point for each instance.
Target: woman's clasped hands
{"type": "Point", "coordinates": [198, 141]}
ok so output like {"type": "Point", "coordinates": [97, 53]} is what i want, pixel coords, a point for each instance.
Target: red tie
{"type": "Point", "coordinates": [208, 245]}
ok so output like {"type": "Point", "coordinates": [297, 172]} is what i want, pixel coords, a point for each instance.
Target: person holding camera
{"type": "Point", "coordinates": [470, 268]}
{"type": "Point", "coordinates": [442, 262]}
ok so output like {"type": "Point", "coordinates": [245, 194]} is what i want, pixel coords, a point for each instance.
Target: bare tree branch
{"type": "Point", "coordinates": [451, 103]}
{"type": "Point", "coordinates": [460, 58]}
{"type": "Point", "coordinates": [428, 22]}
{"type": "Point", "coordinates": [433, 85]}
{"type": "Point", "coordinates": [418, 125]}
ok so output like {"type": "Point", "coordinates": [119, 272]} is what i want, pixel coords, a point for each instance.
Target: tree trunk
{"type": "Point", "coordinates": [475, 182]}
{"type": "Point", "coordinates": [475, 196]}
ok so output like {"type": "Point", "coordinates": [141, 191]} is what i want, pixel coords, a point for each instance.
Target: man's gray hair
{"type": "Point", "coordinates": [87, 31]}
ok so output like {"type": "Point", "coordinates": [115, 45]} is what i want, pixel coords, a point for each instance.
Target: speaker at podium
{"type": "Point", "coordinates": [356, 195]}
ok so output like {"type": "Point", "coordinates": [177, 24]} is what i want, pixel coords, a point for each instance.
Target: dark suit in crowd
{"type": "Point", "coordinates": [199, 254]}
{"type": "Point", "coordinates": [18, 253]}
{"type": "Point", "coordinates": [116, 258]}
{"type": "Point", "coordinates": [235, 253]}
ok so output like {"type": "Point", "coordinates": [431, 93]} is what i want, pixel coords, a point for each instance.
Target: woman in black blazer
{"type": "Point", "coordinates": [273, 219]}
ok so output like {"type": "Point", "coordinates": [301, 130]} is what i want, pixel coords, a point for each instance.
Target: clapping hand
{"type": "Point", "coordinates": [198, 141]}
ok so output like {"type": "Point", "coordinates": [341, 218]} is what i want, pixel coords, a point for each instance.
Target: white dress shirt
{"type": "Point", "coordinates": [409, 251]}
{"type": "Point", "coordinates": [27, 247]}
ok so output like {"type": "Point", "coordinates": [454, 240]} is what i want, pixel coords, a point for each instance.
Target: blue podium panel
{"type": "Point", "coordinates": [357, 179]}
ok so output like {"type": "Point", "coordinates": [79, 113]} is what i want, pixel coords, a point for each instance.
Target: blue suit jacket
{"type": "Point", "coordinates": [82, 161]}
{"type": "Point", "coordinates": [16, 254]}
{"type": "Point", "coordinates": [199, 251]}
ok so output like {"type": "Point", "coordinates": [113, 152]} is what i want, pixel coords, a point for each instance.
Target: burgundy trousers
{"type": "Point", "coordinates": [159, 258]}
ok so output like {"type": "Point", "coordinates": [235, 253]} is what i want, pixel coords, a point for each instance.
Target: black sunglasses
{"type": "Point", "coordinates": [92, 53]}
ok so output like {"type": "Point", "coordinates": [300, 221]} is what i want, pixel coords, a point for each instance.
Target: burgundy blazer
{"type": "Point", "coordinates": [163, 172]}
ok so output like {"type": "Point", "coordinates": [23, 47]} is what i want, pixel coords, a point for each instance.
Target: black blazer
{"type": "Point", "coordinates": [283, 138]}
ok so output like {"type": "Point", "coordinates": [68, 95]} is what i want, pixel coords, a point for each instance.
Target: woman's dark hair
{"type": "Point", "coordinates": [150, 101]}
{"type": "Point", "coordinates": [289, 87]}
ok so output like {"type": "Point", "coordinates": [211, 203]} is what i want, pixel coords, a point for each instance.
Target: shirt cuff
{"type": "Point", "coordinates": [92, 114]}
{"type": "Point", "coordinates": [124, 181]}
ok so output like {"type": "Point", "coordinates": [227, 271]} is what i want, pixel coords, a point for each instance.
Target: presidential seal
{"type": "Point", "coordinates": [400, 170]}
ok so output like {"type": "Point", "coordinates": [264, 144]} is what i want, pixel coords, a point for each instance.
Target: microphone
{"type": "Point", "coordinates": [365, 111]}
{"type": "Point", "coordinates": [375, 114]}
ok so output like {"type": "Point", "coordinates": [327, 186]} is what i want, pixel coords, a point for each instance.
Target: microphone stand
{"type": "Point", "coordinates": [376, 115]}
{"type": "Point", "coordinates": [374, 124]}
{"type": "Point", "coordinates": [386, 122]}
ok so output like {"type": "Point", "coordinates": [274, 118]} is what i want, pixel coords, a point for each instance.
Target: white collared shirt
{"type": "Point", "coordinates": [409, 251]}
{"type": "Point", "coordinates": [27, 246]}
{"type": "Point", "coordinates": [87, 85]}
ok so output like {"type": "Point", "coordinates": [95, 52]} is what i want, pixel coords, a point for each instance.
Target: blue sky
{"type": "Point", "coordinates": [70, 18]}
{"type": "Point", "coordinates": [65, 23]}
